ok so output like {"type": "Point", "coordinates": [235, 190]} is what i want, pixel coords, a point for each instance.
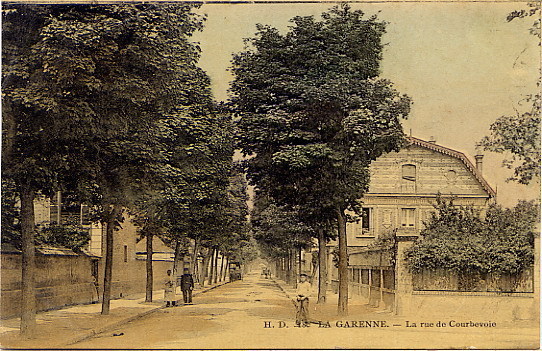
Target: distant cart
{"type": "Point", "coordinates": [235, 271]}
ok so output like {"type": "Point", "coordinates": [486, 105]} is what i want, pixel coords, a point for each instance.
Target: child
{"type": "Point", "coordinates": [302, 296]}
{"type": "Point", "coordinates": [169, 291]}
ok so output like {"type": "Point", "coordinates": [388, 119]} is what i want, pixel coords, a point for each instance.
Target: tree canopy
{"type": "Point", "coordinates": [85, 90]}
{"type": "Point", "coordinates": [518, 136]}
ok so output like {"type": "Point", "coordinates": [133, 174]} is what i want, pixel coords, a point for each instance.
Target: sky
{"type": "Point", "coordinates": [461, 63]}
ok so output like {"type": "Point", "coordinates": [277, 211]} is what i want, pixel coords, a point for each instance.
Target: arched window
{"type": "Point", "coordinates": [409, 172]}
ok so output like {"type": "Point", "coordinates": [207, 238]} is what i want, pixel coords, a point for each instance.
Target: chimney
{"type": "Point", "coordinates": [479, 158]}
{"type": "Point", "coordinates": [432, 140]}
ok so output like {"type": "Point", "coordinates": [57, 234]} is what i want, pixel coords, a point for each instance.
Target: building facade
{"type": "Point", "coordinates": [404, 187]}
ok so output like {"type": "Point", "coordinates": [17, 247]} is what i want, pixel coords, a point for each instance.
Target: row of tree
{"type": "Point", "coordinates": [107, 102]}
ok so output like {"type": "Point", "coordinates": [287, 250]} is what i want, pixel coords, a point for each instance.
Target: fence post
{"type": "Point", "coordinates": [381, 302]}
{"type": "Point", "coordinates": [370, 284]}
{"type": "Point", "coordinates": [536, 272]}
{"type": "Point", "coordinates": [360, 283]}
{"type": "Point", "coordinates": [403, 277]}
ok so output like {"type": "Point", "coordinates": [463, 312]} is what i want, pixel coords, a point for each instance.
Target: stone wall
{"type": "Point", "coordinates": [64, 280]}
{"type": "Point", "coordinates": [60, 280]}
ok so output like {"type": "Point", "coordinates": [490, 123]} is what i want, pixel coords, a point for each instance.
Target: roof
{"type": "Point", "coordinates": [57, 251]}
{"type": "Point", "coordinates": [460, 156]}
{"type": "Point", "coordinates": [7, 248]}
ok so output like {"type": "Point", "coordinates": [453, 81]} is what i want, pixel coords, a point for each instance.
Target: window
{"type": "Point", "coordinates": [451, 176]}
{"type": "Point", "coordinates": [409, 172]}
{"type": "Point", "coordinates": [125, 253]}
{"type": "Point", "coordinates": [364, 225]}
{"type": "Point", "coordinates": [408, 178]}
{"type": "Point", "coordinates": [407, 217]}
{"type": "Point", "coordinates": [365, 220]}
{"type": "Point", "coordinates": [85, 215]}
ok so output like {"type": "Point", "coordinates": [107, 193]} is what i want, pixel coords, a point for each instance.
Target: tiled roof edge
{"type": "Point", "coordinates": [459, 155]}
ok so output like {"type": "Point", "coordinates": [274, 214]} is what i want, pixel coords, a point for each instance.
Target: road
{"type": "Point", "coordinates": [238, 315]}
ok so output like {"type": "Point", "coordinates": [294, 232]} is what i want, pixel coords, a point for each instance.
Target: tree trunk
{"type": "Point", "coordinates": [226, 268]}
{"type": "Point", "coordinates": [322, 267]}
{"type": "Point", "coordinates": [342, 307]}
{"type": "Point", "coordinates": [212, 266]}
{"type": "Point", "coordinates": [108, 273]}
{"type": "Point", "coordinates": [293, 265]}
{"type": "Point", "coordinates": [148, 290]}
{"type": "Point", "coordinates": [215, 277]}
{"type": "Point", "coordinates": [287, 267]}
{"type": "Point", "coordinates": [203, 268]}
{"type": "Point", "coordinates": [287, 271]}
{"type": "Point", "coordinates": [221, 274]}
{"type": "Point", "coordinates": [176, 257]}
{"type": "Point", "coordinates": [194, 258]}
{"type": "Point", "coordinates": [28, 296]}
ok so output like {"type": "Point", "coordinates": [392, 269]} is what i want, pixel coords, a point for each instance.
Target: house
{"type": "Point", "coordinates": [405, 184]}
{"type": "Point", "coordinates": [403, 190]}
{"type": "Point", "coordinates": [66, 277]}
{"type": "Point", "coordinates": [402, 193]}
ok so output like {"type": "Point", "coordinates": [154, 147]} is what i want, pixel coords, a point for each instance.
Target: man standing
{"type": "Point", "coordinates": [187, 285]}
{"type": "Point", "coordinates": [302, 298]}
{"type": "Point", "coordinates": [169, 289]}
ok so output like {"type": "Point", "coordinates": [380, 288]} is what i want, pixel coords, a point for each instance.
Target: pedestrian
{"type": "Point", "coordinates": [303, 293]}
{"type": "Point", "coordinates": [169, 290]}
{"type": "Point", "coordinates": [187, 285]}
{"type": "Point", "coordinates": [96, 290]}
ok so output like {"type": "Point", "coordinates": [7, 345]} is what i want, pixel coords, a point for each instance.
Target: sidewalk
{"type": "Point", "coordinates": [358, 309]}
{"type": "Point", "coordinates": [60, 328]}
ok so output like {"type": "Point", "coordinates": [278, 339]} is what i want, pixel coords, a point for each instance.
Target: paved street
{"type": "Point", "coordinates": [234, 316]}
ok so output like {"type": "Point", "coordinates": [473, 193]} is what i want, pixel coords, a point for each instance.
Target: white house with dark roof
{"type": "Point", "coordinates": [403, 189]}
{"type": "Point", "coordinates": [404, 186]}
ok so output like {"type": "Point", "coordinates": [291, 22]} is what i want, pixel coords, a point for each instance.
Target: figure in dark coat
{"type": "Point", "coordinates": [187, 285]}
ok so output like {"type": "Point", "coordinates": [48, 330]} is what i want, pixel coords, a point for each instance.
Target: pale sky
{"type": "Point", "coordinates": [462, 64]}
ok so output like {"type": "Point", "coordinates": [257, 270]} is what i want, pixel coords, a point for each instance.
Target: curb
{"type": "Point", "coordinates": [117, 324]}
{"type": "Point", "coordinates": [283, 290]}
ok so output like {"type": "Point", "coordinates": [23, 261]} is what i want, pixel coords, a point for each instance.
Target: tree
{"type": "Point", "coordinates": [234, 239]}
{"type": "Point", "coordinates": [461, 239]}
{"type": "Point", "coordinates": [84, 88]}
{"type": "Point", "coordinates": [32, 145]}
{"type": "Point", "coordinates": [149, 217]}
{"type": "Point", "coordinates": [519, 135]}
{"type": "Point", "coordinates": [201, 151]}
{"type": "Point", "coordinates": [69, 236]}
{"type": "Point", "coordinates": [314, 114]}
{"type": "Point", "coordinates": [135, 66]}
{"type": "Point", "coordinates": [11, 224]}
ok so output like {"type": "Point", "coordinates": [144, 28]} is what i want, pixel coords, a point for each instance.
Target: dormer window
{"type": "Point", "coordinates": [408, 178]}
{"type": "Point", "coordinates": [409, 172]}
